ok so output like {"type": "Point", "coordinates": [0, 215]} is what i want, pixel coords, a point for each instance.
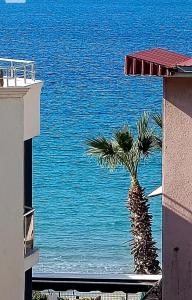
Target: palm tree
{"type": "Point", "coordinates": [127, 150]}
{"type": "Point", "coordinates": [157, 118]}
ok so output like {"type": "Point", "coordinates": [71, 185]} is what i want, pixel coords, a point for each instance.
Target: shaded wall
{"type": "Point", "coordinates": [177, 189]}
{"type": "Point", "coordinates": [28, 168]}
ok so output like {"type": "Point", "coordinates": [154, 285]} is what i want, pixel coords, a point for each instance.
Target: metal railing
{"type": "Point", "coordinates": [75, 295]}
{"type": "Point", "coordinates": [11, 70]}
{"type": "Point", "coordinates": [28, 230]}
{"type": "Point", "coordinates": [66, 286]}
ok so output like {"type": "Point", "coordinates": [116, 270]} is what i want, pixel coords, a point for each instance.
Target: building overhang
{"type": "Point", "coordinates": [157, 192]}
{"type": "Point", "coordinates": [31, 259]}
{"type": "Point", "coordinates": [158, 62]}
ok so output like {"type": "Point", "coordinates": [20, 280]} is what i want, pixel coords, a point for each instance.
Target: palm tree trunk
{"type": "Point", "coordinates": [143, 246]}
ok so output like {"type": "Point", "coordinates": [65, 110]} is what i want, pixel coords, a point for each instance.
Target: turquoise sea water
{"type": "Point", "coordinates": [79, 47]}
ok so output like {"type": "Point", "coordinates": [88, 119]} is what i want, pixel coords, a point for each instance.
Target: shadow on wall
{"type": "Point", "coordinates": [177, 189]}
{"type": "Point", "coordinates": [178, 227]}
{"type": "Point", "coordinates": [180, 86]}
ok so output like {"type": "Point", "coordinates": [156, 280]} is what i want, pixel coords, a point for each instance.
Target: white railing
{"type": "Point", "coordinates": [28, 230]}
{"type": "Point", "coordinates": [13, 69]}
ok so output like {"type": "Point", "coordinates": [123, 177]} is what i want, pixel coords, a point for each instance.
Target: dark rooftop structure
{"type": "Point", "coordinates": [157, 62]}
{"type": "Point", "coordinates": [106, 283]}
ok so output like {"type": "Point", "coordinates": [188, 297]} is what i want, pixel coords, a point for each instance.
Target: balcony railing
{"type": "Point", "coordinates": [68, 286]}
{"type": "Point", "coordinates": [28, 230]}
{"type": "Point", "coordinates": [14, 72]}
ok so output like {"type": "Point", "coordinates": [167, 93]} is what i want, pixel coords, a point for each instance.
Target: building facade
{"type": "Point", "coordinates": [176, 70]}
{"type": "Point", "coordinates": [19, 123]}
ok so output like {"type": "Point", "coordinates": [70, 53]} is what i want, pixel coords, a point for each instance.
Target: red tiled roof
{"type": "Point", "coordinates": [160, 56]}
{"type": "Point", "coordinates": [187, 63]}
{"type": "Point", "coordinates": [155, 62]}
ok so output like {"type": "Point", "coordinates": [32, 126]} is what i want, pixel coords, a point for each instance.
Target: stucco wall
{"type": "Point", "coordinates": [11, 199]}
{"type": "Point", "coordinates": [177, 189]}
{"type": "Point", "coordinates": [32, 111]}
{"type": "Point", "coordinates": [19, 120]}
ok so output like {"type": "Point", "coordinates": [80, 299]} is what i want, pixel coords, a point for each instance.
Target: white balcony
{"type": "Point", "coordinates": [16, 73]}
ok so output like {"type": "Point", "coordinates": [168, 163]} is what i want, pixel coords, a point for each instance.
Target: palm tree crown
{"type": "Point", "coordinates": [124, 148]}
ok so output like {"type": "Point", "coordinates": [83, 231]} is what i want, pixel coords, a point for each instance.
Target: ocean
{"type": "Point", "coordinates": [82, 221]}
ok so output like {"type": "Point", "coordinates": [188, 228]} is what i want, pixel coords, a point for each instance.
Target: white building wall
{"type": "Point", "coordinates": [19, 120]}
{"type": "Point", "coordinates": [11, 199]}
{"type": "Point", "coordinates": [32, 111]}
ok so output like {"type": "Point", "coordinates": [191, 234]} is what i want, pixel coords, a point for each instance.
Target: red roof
{"type": "Point", "coordinates": [187, 63]}
{"type": "Point", "coordinates": [158, 62]}
{"type": "Point", "coordinates": [161, 57]}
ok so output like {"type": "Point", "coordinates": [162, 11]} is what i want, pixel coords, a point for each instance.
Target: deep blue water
{"type": "Point", "coordinates": [79, 47]}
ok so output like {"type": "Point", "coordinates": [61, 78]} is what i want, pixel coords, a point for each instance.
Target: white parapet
{"type": "Point", "coordinates": [29, 99]}
{"type": "Point", "coordinates": [31, 259]}
{"type": "Point", "coordinates": [17, 81]}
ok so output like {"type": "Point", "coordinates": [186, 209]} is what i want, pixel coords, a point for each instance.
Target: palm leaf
{"type": "Point", "coordinates": [158, 143]}
{"type": "Point", "coordinates": [124, 139]}
{"type": "Point", "coordinates": [143, 124]}
{"type": "Point", "coordinates": [146, 136]}
{"type": "Point", "coordinates": [105, 151]}
{"type": "Point", "coordinates": [131, 160]}
{"type": "Point", "coordinates": [147, 143]}
{"type": "Point", "coordinates": [157, 118]}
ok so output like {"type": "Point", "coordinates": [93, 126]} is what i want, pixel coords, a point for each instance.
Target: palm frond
{"type": "Point", "coordinates": [125, 149]}
{"type": "Point", "coordinates": [158, 142]}
{"type": "Point", "coordinates": [146, 136]}
{"type": "Point", "coordinates": [157, 118]}
{"type": "Point", "coordinates": [124, 139]}
{"type": "Point", "coordinates": [105, 151]}
{"type": "Point", "coordinates": [143, 124]}
{"type": "Point", "coordinates": [147, 143]}
{"type": "Point", "coordinates": [131, 160]}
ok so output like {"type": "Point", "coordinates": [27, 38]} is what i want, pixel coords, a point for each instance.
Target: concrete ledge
{"type": "Point", "coordinates": [32, 259]}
